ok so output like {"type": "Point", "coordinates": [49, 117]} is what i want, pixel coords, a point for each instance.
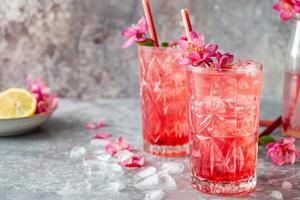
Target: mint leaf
{"type": "Point", "coordinates": [148, 43]}
{"type": "Point", "coordinates": [264, 140]}
{"type": "Point", "coordinates": [164, 44]}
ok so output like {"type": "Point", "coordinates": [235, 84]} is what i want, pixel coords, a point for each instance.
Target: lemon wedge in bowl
{"type": "Point", "coordinates": [17, 103]}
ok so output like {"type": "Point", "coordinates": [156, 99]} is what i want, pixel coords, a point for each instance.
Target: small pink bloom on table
{"type": "Point", "coordinates": [133, 161]}
{"type": "Point", "coordinates": [47, 101]}
{"type": "Point", "coordinates": [102, 135]}
{"type": "Point", "coordinates": [136, 33]}
{"type": "Point", "coordinates": [196, 52]}
{"type": "Point", "coordinates": [282, 151]}
{"type": "Point", "coordinates": [97, 125]}
{"type": "Point", "coordinates": [114, 147]}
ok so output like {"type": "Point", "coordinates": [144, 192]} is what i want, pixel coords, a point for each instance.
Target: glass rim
{"type": "Point", "coordinates": [159, 49]}
{"type": "Point", "coordinates": [241, 70]}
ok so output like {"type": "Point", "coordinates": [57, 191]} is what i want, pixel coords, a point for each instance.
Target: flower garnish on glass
{"type": "Point", "coordinates": [224, 98]}
{"type": "Point", "coordinates": [288, 9]}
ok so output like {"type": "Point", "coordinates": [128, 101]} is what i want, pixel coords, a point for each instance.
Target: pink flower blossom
{"type": "Point", "coordinates": [282, 151]}
{"type": "Point", "coordinates": [136, 33]}
{"type": "Point", "coordinates": [47, 101]}
{"type": "Point", "coordinates": [196, 52]}
{"type": "Point", "coordinates": [224, 60]}
{"type": "Point", "coordinates": [102, 135]}
{"type": "Point", "coordinates": [287, 8]}
{"type": "Point", "coordinates": [114, 147]}
{"type": "Point", "coordinates": [133, 161]}
{"type": "Point", "coordinates": [97, 125]}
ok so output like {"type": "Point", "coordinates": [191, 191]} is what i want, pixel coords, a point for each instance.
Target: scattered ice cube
{"type": "Point", "coordinates": [166, 181]}
{"type": "Point", "coordinates": [276, 195]}
{"type": "Point", "coordinates": [104, 157]}
{"type": "Point", "coordinates": [98, 144]}
{"type": "Point", "coordinates": [114, 170]}
{"type": "Point", "coordinates": [77, 152]}
{"type": "Point", "coordinates": [286, 185]}
{"type": "Point", "coordinates": [99, 151]}
{"type": "Point", "coordinates": [155, 195]}
{"type": "Point", "coordinates": [172, 167]}
{"type": "Point", "coordinates": [94, 164]}
{"type": "Point", "coordinates": [123, 155]}
{"type": "Point", "coordinates": [144, 173]}
{"type": "Point", "coordinates": [148, 183]}
{"type": "Point", "coordinates": [112, 187]}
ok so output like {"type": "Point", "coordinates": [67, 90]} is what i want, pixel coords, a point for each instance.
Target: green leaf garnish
{"type": "Point", "coordinates": [164, 44]}
{"type": "Point", "coordinates": [264, 140]}
{"type": "Point", "coordinates": [147, 43]}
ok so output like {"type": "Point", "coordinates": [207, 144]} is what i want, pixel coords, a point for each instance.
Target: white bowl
{"type": "Point", "coordinates": [11, 127]}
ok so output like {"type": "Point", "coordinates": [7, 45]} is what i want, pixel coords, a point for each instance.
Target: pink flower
{"type": "Point", "coordinates": [282, 151]}
{"type": "Point", "coordinates": [114, 147]}
{"type": "Point", "coordinates": [97, 125]}
{"type": "Point", "coordinates": [136, 33]}
{"type": "Point", "coordinates": [196, 52]}
{"type": "Point", "coordinates": [133, 161]}
{"type": "Point", "coordinates": [47, 101]}
{"type": "Point", "coordinates": [287, 8]}
{"type": "Point", "coordinates": [224, 60]}
{"type": "Point", "coordinates": [102, 135]}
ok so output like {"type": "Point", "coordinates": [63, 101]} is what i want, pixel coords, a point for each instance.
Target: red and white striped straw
{"type": "Point", "coordinates": [150, 22]}
{"type": "Point", "coordinates": [187, 23]}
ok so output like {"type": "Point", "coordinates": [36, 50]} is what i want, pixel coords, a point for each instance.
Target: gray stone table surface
{"type": "Point", "coordinates": [37, 165]}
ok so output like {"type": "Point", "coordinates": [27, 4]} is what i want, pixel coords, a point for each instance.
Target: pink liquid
{"type": "Point", "coordinates": [291, 105]}
{"type": "Point", "coordinates": [163, 93]}
{"type": "Point", "coordinates": [224, 119]}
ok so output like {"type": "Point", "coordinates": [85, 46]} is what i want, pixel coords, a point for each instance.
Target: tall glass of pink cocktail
{"type": "Point", "coordinates": [163, 94]}
{"type": "Point", "coordinates": [223, 121]}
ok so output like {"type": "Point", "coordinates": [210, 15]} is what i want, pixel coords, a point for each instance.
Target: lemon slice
{"type": "Point", "coordinates": [17, 103]}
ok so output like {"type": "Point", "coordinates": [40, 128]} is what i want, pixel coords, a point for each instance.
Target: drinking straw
{"type": "Point", "coordinates": [265, 122]}
{"type": "Point", "coordinates": [291, 106]}
{"type": "Point", "coordinates": [271, 128]}
{"type": "Point", "coordinates": [187, 23]}
{"type": "Point", "coordinates": [149, 20]}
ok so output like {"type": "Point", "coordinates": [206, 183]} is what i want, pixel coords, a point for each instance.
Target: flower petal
{"type": "Point", "coordinates": [102, 135]}
{"type": "Point", "coordinates": [182, 43]}
{"type": "Point", "coordinates": [133, 161]}
{"type": "Point", "coordinates": [184, 61]}
{"type": "Point", "coordinates": [142, 25]}
{"type": "Point", "coordinates": [129, 42]}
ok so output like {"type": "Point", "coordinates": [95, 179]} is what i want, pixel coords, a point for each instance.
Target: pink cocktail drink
{"type": "Point", "coordinates": [223, 121]}
{"type": "Point", "coordinates": [163, 93]}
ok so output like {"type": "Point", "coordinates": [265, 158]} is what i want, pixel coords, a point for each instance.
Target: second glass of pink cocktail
{"type": "Point", "coordinates": [224, 120]}
{"type": "Point", "coordinates": [163, 94]}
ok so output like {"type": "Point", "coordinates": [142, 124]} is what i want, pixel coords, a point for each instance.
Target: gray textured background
{"type": "Point", "coordinates": [75, 44]}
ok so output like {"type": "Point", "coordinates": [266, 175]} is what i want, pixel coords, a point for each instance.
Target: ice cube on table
{"type": "Point", "coordinates": [286, 185]}
{"type": "Point", "coordinates": [114, 170]}
{"type": "Point", "coordinates": [276, 195]}
{"type": "Point", "coordinates": [144, 173]}
{"type": "Point", "coordinates": [149, 182]}
{"type": "Point", "coordinates": [104, 157]}
{"type": "Point", "coordinates": [112, 187]}
{"type": "Point", "coordinates": [98, 144]}
{"type": "Point", "coordinates": [172, 167]}
{"type": "Point", "coordinates": [166, 181]}
{"type": "Point", "coordinates": [77, 152]}
{"type": "Point", "coordinates": [155, 195]}
{"type": "Point", "coordinates": [99, 151]}
{"type": "Point", "coordinates": [124, 155]}
{"type": "Point", "coordinates": [94, 164]}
